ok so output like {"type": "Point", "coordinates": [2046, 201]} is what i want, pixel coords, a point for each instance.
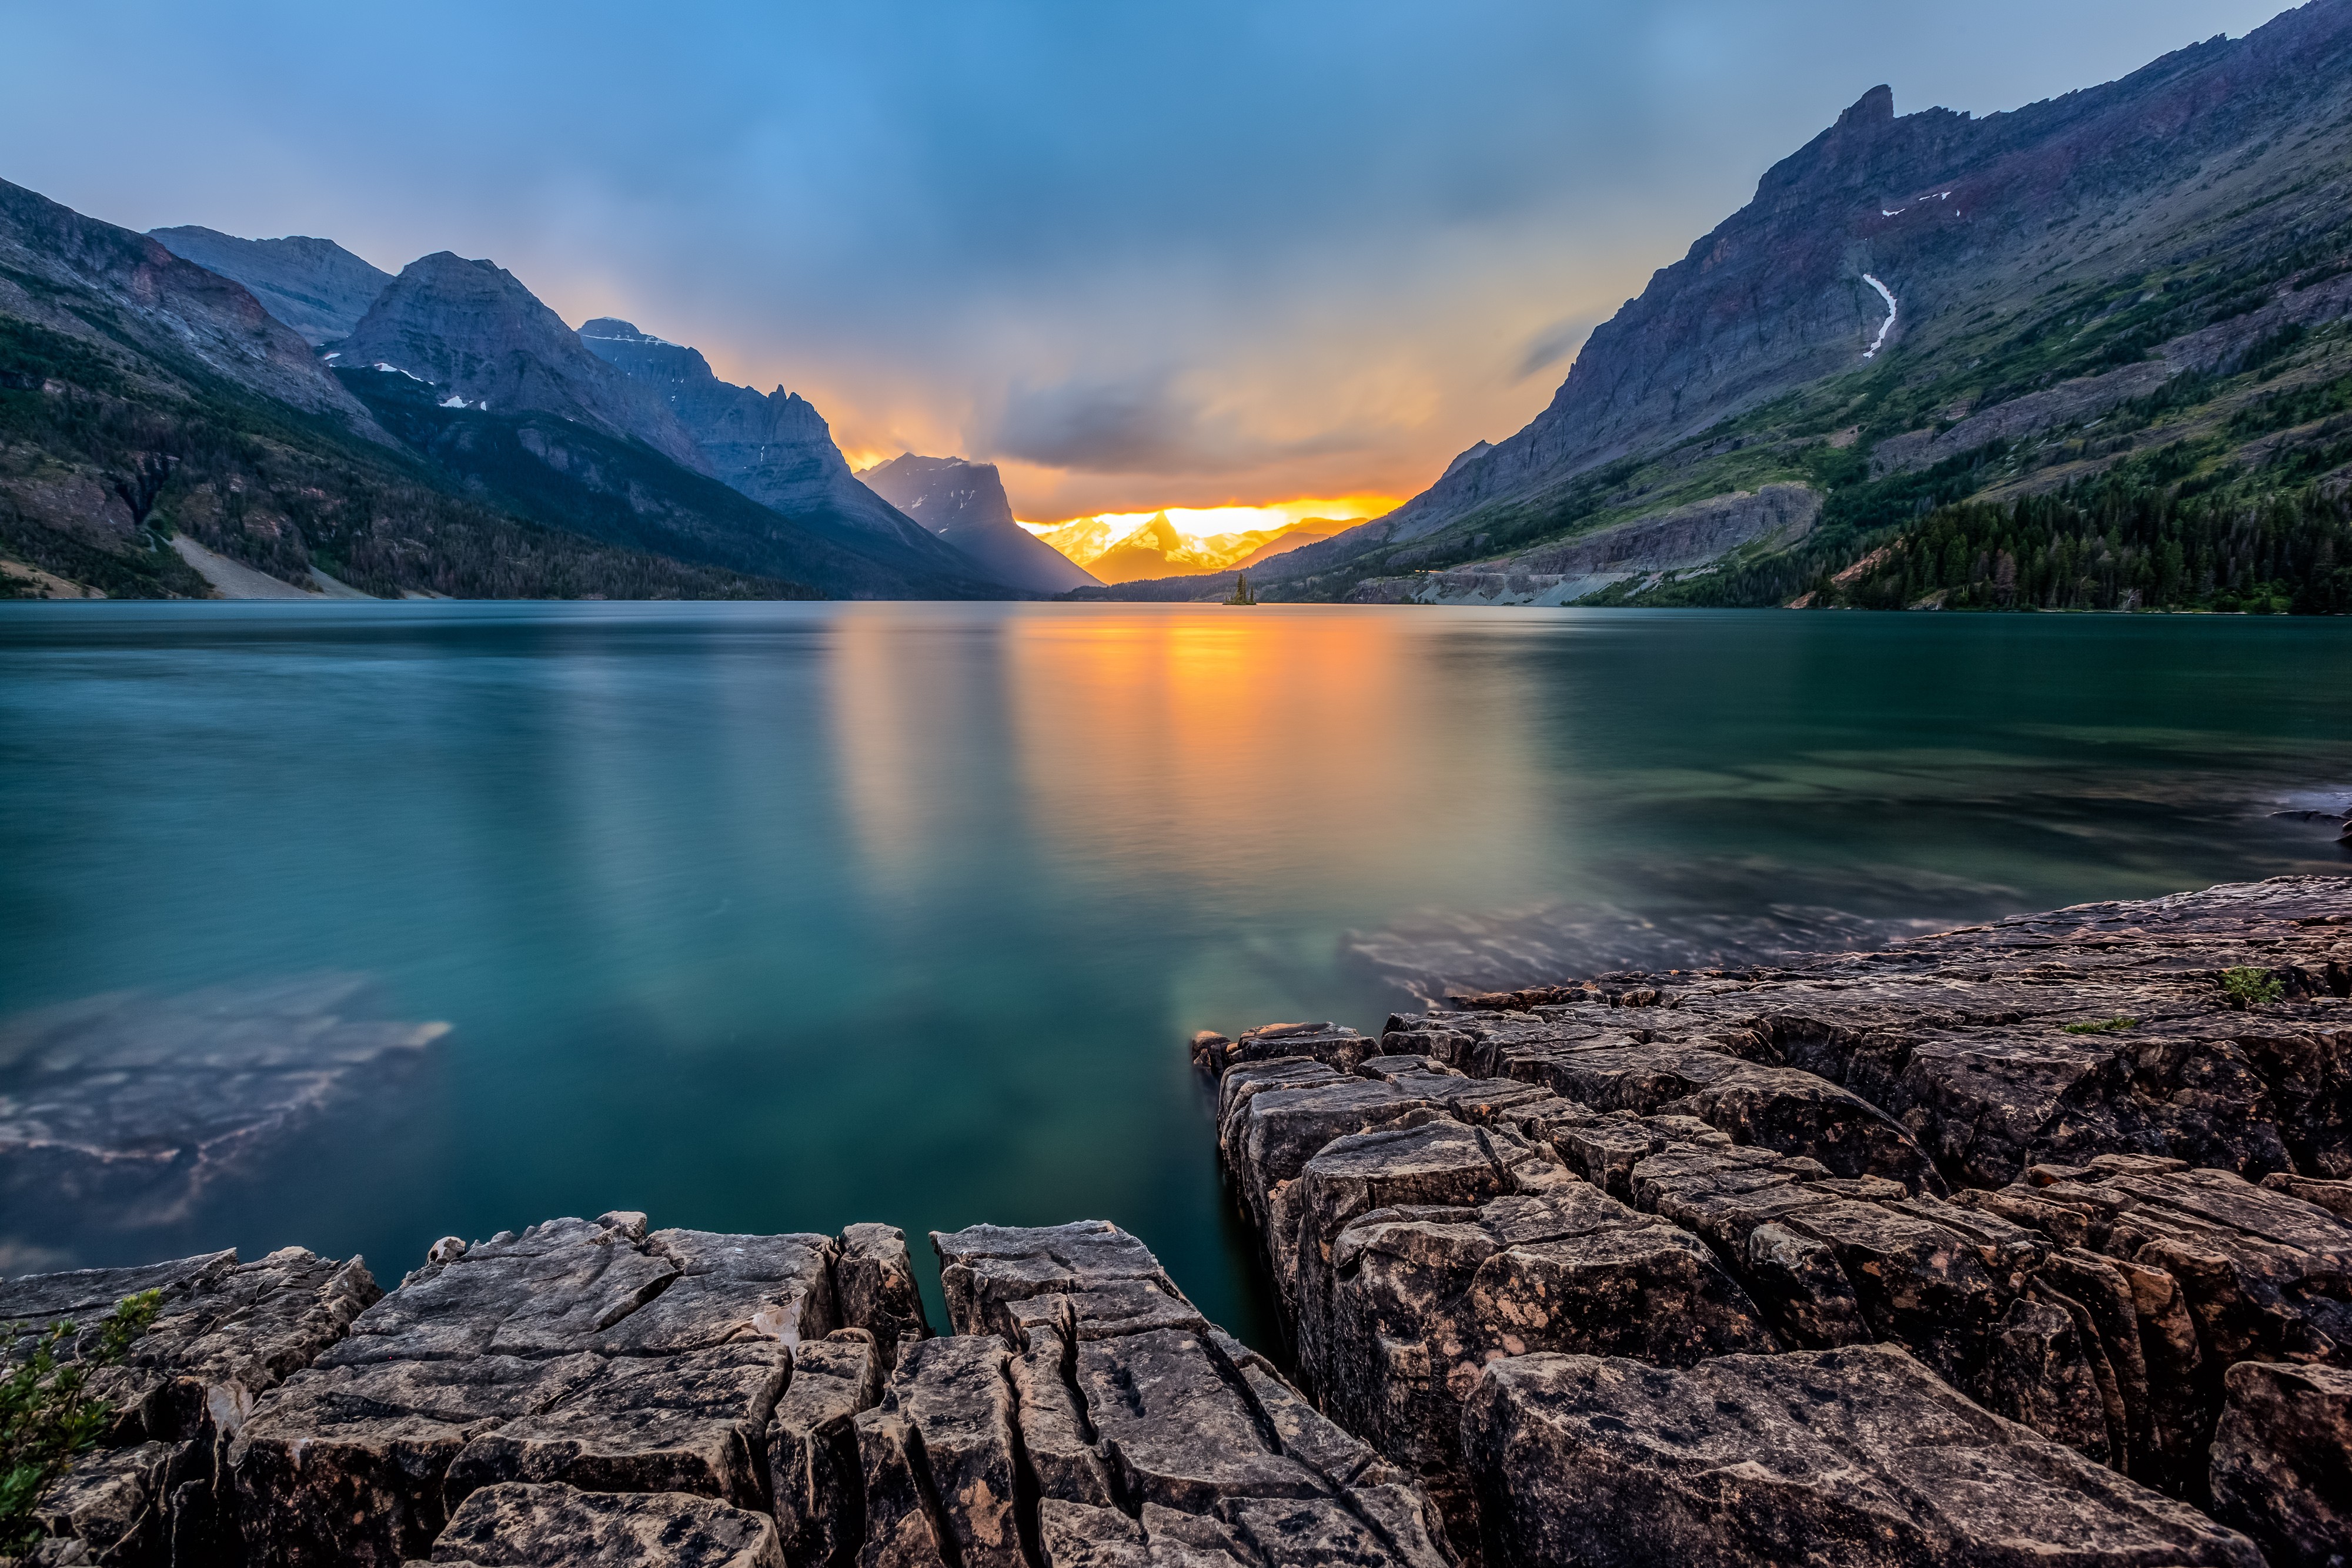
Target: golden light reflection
{"type": "Point", "coordinates": [1211, 744]}
{"type": "Point", "coordinates": [1221, 742]}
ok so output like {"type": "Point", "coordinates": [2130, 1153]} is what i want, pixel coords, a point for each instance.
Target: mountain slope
{"type": "Point", "coordinates": [314, 286]}
{"type": "Point", "coordinates": [1940, 293]}
{"type": "Point", "coordinates": [56, 265]}
{"type": "Point", "coordinates": [775, 449]}
{"type": "Point", "coordinates": [965, 503]}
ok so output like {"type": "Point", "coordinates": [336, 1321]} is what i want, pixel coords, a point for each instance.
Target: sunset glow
{"type": "Point", "coordinates": [1121, 547]}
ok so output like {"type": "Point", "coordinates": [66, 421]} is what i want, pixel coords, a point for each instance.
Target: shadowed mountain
{"type": "Point", "coordinates": [54, 262]}
{"type": "Point", "coordinates": [965, 503]}
{"type": "Point", "coordinates": [1935, 310]}
{"type": "Point", "coordinates": [776, 449]}
{"type": "Point", "coordinates": [149, 405]}
{"type": "Point", "coordinates": [314, 286]}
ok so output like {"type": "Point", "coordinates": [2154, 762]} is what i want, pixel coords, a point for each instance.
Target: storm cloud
{"type": "Point", "coordinates": [1143, 255]}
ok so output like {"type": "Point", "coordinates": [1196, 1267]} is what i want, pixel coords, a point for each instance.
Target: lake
{"type": "Point", "coordinates": [776, 917]}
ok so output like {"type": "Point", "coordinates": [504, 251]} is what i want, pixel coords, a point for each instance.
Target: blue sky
{"type": "Point", "coordinates": [1189, 254]}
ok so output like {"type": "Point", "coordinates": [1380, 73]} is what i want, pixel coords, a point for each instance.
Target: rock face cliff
{"type": "Point", "coordinates": [314, 286]}
{"type": "Point", "coordinates": [965, 503]}
{"type": "Point", "coordinates": [1934, 204]}
{"type": "Point", "coordinates": [776, 449]}
{"type": "Point", "coordinates": [472, 328]}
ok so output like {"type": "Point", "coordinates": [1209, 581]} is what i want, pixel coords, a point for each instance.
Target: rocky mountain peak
{"type": "Point", "coordinates": [1876, 106]}
{"type": "Point", "coordinates": [472, 326]}
{"type": "Point", "coordinates": [964, 503]}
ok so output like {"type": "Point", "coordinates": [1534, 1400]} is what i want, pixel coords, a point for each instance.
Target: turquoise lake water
{"type": "Point", "coordinates": [777, 917]}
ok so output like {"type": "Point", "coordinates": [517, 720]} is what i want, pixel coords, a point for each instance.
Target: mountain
{"type": "Point", "coordinates": [1306, 532]}
{"type": "Point", "coordinates": [460, 441]}
{"type": "Point", "coordinates": [1119, 552]}
{"type": "Point", "coordinates": [149, 406]}
{"type": "Point", "coordinates": [314, 286]}
{"type": "Point", "coordinates": [776, 449]}
{"type": "Point", "coordinates": [472, 328]}
{"type": "Point", "coordinates": [2128, 301]}
{"type": "Point", "coordinates": [53, 261]}
{"type": "Point", "coordinates": [965, 503]}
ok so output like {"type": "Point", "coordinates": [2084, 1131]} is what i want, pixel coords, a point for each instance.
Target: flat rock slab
{"type": "Point", "coordinates": [593, 1353]}
{"type": "Point", "coordinates": [1854, 1456]}
{"type": "Point", "coordinates": [604, 1285]}
{"type": "Point", "coordinates": [2103, 1028]}
{"type": "Point", "coordinates": [525, 1526]}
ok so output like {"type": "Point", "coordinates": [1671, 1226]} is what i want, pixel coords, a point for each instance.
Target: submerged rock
{"type": "Point", "coordinates": [122, 1111]}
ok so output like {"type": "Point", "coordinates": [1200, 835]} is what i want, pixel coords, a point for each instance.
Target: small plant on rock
{"type": "Point", "coordinates": [48, 1420]}
{"type": "Point", "coordinates": [2116, 1025]}
{"type": "Point", "coordinates": [2251, 987]}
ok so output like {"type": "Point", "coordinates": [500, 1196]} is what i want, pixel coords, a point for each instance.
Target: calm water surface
{"type": "Point", "coordinates": [778, 917]}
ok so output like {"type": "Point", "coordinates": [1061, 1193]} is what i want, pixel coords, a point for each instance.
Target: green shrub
{"type": "Point", "coordinates": [2251, 987]}
{"type": "Point", "coordinates": [47, 1419]}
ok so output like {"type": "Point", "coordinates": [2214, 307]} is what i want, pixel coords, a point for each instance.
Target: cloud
{"type": "Point", "coordinates": [1141, 425]}
{"type": "Point", "coordinates": [1554, 343]}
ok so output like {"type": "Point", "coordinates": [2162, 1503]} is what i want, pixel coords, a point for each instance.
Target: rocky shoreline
{"type": "Point", "coordinates": [2026, 1242]}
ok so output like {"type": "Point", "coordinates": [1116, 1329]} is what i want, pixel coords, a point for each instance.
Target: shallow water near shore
{"type": "Point", "coordinates": [777, 917]}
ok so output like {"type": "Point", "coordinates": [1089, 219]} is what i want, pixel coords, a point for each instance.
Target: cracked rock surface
{"type": "Point", "coordinates": [225, 1334]}
{"type": "Point", "coordinates": [2073, 1180]}
{"type": "Point", "coordinates": [596, 1354]}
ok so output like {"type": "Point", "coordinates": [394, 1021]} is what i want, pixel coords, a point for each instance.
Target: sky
{"type": "Point", "coordinates": [1204, 254]}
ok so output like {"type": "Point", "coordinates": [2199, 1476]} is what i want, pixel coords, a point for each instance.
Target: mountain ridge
{"type": "Point", "coordinates": [314, 286]}
{"type": "Point", "coordinates": [964, 503]}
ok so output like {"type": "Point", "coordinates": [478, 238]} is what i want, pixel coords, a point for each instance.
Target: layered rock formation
{"type": "Point", "coordinates": [2067, 1188]}
{"type": "Point", "coordinates": [595, 1392]}
{"type": "Point", "coordinates": [314, 286]}
{"type": "Point", "coordinates": [173, 311]}
{"type": "Point", "coordinates": [2027, 1243]}
{"type": "Point", "coordinates": [965, 503]}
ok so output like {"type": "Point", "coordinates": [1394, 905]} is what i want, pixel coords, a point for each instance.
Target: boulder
{"type": "Point", "coordinates": [1859, 1455]}
{"type": "Point", "coordinates": [2283, 1461]}
{"type": "Point", "coordinates": [516, 1525]}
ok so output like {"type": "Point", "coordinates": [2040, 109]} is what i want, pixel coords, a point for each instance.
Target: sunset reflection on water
{"type": "Point", "coordinates": [1212, 743]}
